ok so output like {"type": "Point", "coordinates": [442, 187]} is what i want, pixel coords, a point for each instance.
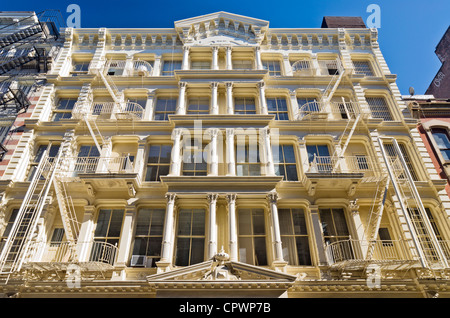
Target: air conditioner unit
{"type": "Point", "coordinates": [141, 261]}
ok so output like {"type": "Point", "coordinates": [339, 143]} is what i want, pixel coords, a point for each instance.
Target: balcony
{"type": "Point", "coordinates": [303, 68]}
{"type": "Point", "coordinates": [123, 68]}
{"type": "Point", "coordinates": [328, 111]}
{"type": "Point", "coordinates": [45, 256]}
{"type": "Point", "coordinates": [109, 110]}
{"type": "Point", "coordinates": [388, 254]}
{"type": "Point", "coordinates": [106, 174]}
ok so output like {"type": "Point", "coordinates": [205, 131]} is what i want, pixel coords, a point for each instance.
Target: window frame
{"type": "Point", "coordinates": [379, 111]}
{"type": "Point", "coordinates": [190, 236]}
{"type": "Point", "coordinates": [284, 163]}
{"type": "Point", "coordinates": [165, 112]}
{"type": "Point", "coordinates": [279, 101]}
{"type": "Point", "coordinates": [64, 111]}
{"type": "Point", "coordinates": [252, 236]}
{"type": "Point", "coordinates": [294, 235]}
{"type": "Point", "coordinates": [158, 164]}
{"type": "Point", "coordinates": [150, 236]}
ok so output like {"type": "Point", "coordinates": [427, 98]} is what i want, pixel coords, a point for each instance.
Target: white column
{"type": "Point", "coordinates": [167, 244]}
{"type": "Point", "coordinates": [287, 66]}
{"type": "Point", "coordinates": [181, 107]}
{"type": "Point", "coordinates": [230, 106]}
{"type": "Point", "coordinates": [215, 57]}
{"type": "Point", "coordinates": [139, 161]}
{"type": "Point", "coordinates": [212, 236]}
{"type": "Point", "coordinates": [157, 66]}
{"type": "Point", "coordinates": [268, 160]}
{"type": "Point", "coordinates": [86, 232]}
{"type": "Point", "coordinates": [175, 165]}
{"type": "Point", "coordinates": [232, 227]}
{"type": "Point", "coordinates": [262, 98]}
{"type": "Point", "coordinates": [259, 64]}
{"type": "Point", "coordinates": [214, 99]}
{"type": "Point", "coordinates": [214, 158]}
{"type": "Point", "coordinates": [126, 238]}
{"type": "Point", "coordinates": [185, 63]}
{"type": "Point", "coordinates": [228, 58]}
{"type": "Point", "coordinates": [294, 104]}
{"type": "Point", "coordinates": [318, 234]}
{"type": "Point", "coordinates": [230, 157]}
{"type": "Point", "coordinates": [149, 105]}
{"type": "Point", "coordinates": [272, 197]}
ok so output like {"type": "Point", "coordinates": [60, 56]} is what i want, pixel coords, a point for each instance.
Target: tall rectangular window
{"type": "Point", "coordinates": [273, 66]}
{"type": "Point", "coordinates": [200, 65]}
{"type": "Point", "coordinates": [158, 162]}
{"type": "Point", "coordinates": [149, 233]}
{"type": "Point", "coordinates": [242, 64]}
{"type": "Point", "coordinates": [319, 158]}
{"type": "Point", "coordinates": [294, 236]}
{"type": "Point", "coordinates": [392, 153]}
{"type": "Point", "coordinates": [363, 68]}
{"type": "Point", "coordinates": [169, 67]}
{"type": "Point", "coordinates": [244, 105]}
{"type": "Point", "coordinates": [190, 242]}
{"type": "Point", "coordinates": [63, 109]}
{"type": "Point", "coordinates": [52, 153]}
{"type": "Point", "coordinates": [278, 107]}
{"type": "Point", "coordinates": [165, 107]}
{"type": "Point", "coordinates": [379, 108]}
{"type": "Point", "coordinates": [107, 235]}
{"type": "Point", "coordinates": [443, 142]}
{"type": "Point", "coordinates": [248, 162]}
{"type": "Point", "coordinates": [252, 237]}
{"type": "Point", "coordinates": [198, 106]}
{"type": "Point", "coordinates": [87, 159]}
{"type": "Point", "coordinates": [334, 225]}
{"type": "Point", "coordinates": [284, 162]}
{"type": "Point", "coordinates": [194, 158]}
{"type": "Point", "coordinates": [8, 227]}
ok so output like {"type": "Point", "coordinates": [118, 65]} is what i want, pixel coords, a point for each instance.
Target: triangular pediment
{"type": "Point", "coordinates": [213, 27]}
{"type": "Point", "coordinates": [228, 271]}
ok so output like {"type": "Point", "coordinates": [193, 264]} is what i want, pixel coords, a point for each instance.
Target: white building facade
{"type": "Point", "coordinates": [222, 158]}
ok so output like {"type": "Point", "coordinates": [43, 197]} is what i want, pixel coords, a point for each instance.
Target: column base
{"type": "Point", "coordinates": [163, 266]}
{"type": "Point", "coordinates": [279, 266]}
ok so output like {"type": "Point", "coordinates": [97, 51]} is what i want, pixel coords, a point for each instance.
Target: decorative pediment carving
{"type": "Point", "coordinates": [220, 28]}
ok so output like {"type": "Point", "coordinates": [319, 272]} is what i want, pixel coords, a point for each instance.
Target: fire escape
{"type": "Point", "coordinates": [25, 46]}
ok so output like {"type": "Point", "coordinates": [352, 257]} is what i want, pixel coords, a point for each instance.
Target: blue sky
{"type": "Point", "coordinates": [408, 34]}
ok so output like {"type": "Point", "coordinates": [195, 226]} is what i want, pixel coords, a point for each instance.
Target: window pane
{"type": "Point", "coordinates": [116, 223]}
{"type": "Point", "coordinates": [327, 222]}
{"type": "Point", "coordinates": [143, 222]}
{"type": "Point", "coordinates": [442, 139]}
{"type": "Point", "coordinates": [198, 222]}
{"type": "Point", "coordinates": [157, 226]}
{"type": "Point", "coordinates": [246, 250]}
{"type": "Point", "coordinates": [245, 222]}
{"type": "Point", "coordinates": [140, 246]}
{"type": "Point", "coordinates": [303, 253]}
{"type": "Point", "coordinates": [340, 223]}
{"type": "Point", "coordinates": [289, 252]}
{"type": "Point", "coordinates": [182, 254]}
{"type": "Point", "coordinates": [184, 224]}
{"type": "Point", "coordinates": [197, 250]}
{"type": "Point", "coordinates": [291, 173]}
{"type": "Point", "coordinates": [285, 222]}
{"type": "Point", "coordinates": [258, 222]}
{"type": "Point", "coordinates": [298, 217]}
{"type": "Point", "coordinates": [102, 223]}
{"type": "Point", "coordinates": [260, 251]}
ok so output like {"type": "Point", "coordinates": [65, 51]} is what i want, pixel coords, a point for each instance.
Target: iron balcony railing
{"type": "Point", "coordinates": [383, 250]}
{"type": "Point", "coordinates": [109, 110]}
{"type": "Point", "coordinates": [328, 110]}
{"type": "Point", "coordinates": [121, 68]}
{"type": "Point", "coordinates": [101, 165]}
{"type": "Point", "coordinates": [65, 252]}
{"type": "Point", "coordinates": [302, 68]}
{"type": "Point", "coordinates": [345, 164]}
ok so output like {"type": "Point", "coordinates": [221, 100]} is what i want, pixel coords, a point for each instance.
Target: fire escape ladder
{"type": "Point", "coordinates": [67, 210]}
{"type": "Point", "coordinates": [422, 233]}
{"type": "Point", "coordinates": [21, 35]}
{"type": "Point", "coordinates": [16, 246]}
{"type": "Point", "coordinates": [376, 215]}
